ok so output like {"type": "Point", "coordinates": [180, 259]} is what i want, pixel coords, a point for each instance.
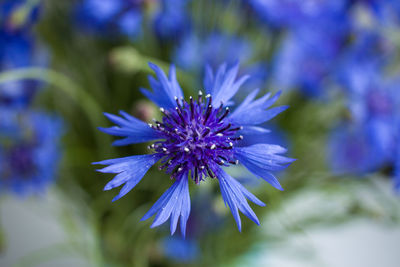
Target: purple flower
{"type": "Point", "coordinates": [18, 49]}
{"type": "Point", "coordinates": [172, 20]}
{"type": "Point", "coordinates": [292, 13]}
{"type": "Point", "coordinates": [195, 139]}
{"type": "Point", "coordinates": [306, 59]}
{"type": "Point", "coordinates": [110, 16]}
{"type": "Point", "coordinates": [29, 150]}
{"type": "Point", "coordinates": [353, 149]}
{"type": "Point", "coordinates": [180, 249]}
{"type": "Point", "coordinates": [194, 52]}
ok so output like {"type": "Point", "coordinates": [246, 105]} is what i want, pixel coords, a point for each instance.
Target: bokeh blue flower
{"type": "Point", "coordinates": [29, 150]}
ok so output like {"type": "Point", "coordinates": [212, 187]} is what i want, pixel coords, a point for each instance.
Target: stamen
{"type": "Point", "coordinates": [236, 129]}
{"type": "Point", "coordinates": [200, 99]}
{"type": "Point", "coordinates": [210, 172]}
{"type": "Point", "coordinates": [224, 115]}
{"type": "Point", "coordinates": [207, 130]}
{"type": "Point", "coordinates": [208, 112]}
{"type": "Point", "coordinates": [237, 138]}
{"type": "Point", "coordinates": [225, 128]}
{"type": "Point", "coordinates": [191, 107]}
{"type": "Point", "coordinates": [181, 116]}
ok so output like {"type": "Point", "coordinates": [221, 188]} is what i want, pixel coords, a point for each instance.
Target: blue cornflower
{"type": "Point", "coordinates": [353, 149]}
{"type": "Point", "coordinates": [18, 49]}
{"type": "Point", "coordinates": [195, 139]}
{"type": "Point", "coordinates": [397, 162]}
{"type": "Point", "coordinates": [29, 150]}
{"type": "Point", "coordinates": [306, 59]}
{"type": "Point", "coordinates": [387, 12]}
{"type": "Point", "coordinates": [124, 17]}
{"type": "Point", "coordinates": [292, 13]}
{"type": "Point", "coordinates": [172, 21]}
{"type": "Point", "coordinates": [180, 249]}
{"type": "Point", "coordinates": [194, 52]}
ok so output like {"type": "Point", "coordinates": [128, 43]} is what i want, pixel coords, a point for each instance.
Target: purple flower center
{"type": "Point", "coordinates": [196, 138]}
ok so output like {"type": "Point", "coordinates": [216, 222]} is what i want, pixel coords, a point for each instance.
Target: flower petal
{"type": "Point", "coordinates": [134, 130]}
{"type": "Point", "coordinates": [234, 194]}
{"type": "Point", "coordinates": [255, 112]}
{"type": "Point", "coordinates": [164, 90]}
{"type": "Point", "coordinates": [261, 159]}
{"type": "Point", "coordinates": [130, 171]}
{"type": "Point", "coordinates": [174, 203]}
{"type": "Point", "coordinates": [223, 87]}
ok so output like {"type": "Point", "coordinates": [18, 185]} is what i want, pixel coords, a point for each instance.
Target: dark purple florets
{"type": "Point", "coordinates": [195, 133]}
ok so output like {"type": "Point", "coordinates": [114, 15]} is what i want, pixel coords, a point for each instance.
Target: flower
{"type": "Point", "coordinates": [180, 250]}
{"type": "Point", "coordinates": [306, 59]}
{"type": "Point", "coordinates": [195, 139]}
{"type": "Point", "coordinates": [18, 49]}
{"type": "Point", "coordinates": [29, 150]}
{"type": "Point", "coordinates": [172, 20]}
{"type": "Point", "coordinates": [353, 150]}
{"type": "Point", "coordinates": [195, 51]}
{"type": "Point", "coordinates": [291, 13]}
{"type": "Point", "coordinates": [124, 17]}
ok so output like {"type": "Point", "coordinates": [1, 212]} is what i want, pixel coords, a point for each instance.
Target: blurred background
{"type": "Point", "coordinates": [64, 63]}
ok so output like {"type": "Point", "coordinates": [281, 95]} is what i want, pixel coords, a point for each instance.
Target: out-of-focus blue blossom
{"type": "Point", "coordinates": [180, 249]}
{"type": "Point", "coordinates": [364, 60]}
{"type": "Point", "coordinates": [369, 141]}
{"type": "Point", "coordinates": [370, 95]}
{"type": "Point", "coordinates": [29, 150]}
{"type": "Point", "coordinates": [386, 11]}
{"type": "Point", "coordinates": [172, 20]}
{"type": "Point", "coordinates": [18, 49]}
{"type": "Point", "coordinates": [397, 162]}
{"type": "Point", "coordinates": [352, 149]}
{"type": "Point", "coordinates": [194, 52]}
{"type": "Point", "coordinates": [195, 140]}
{"type": "Point", "coordinates": [112, 16]}
{"type": "Point", "coordinates": [294, 13]}
{"type": "Point", "coordinates": [305, 60]}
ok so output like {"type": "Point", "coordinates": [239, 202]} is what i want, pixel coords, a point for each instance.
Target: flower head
{"type": "Point", "coordinates": [29, 150]}
{"type": "Point", "coordinates": [195, 139]}
{"type": "Point", "coordinates": [172, 21]}
{"type": "Point", "coordinates": [18, 49]}
{"type": "Point", "coordinates": [120, 16]}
